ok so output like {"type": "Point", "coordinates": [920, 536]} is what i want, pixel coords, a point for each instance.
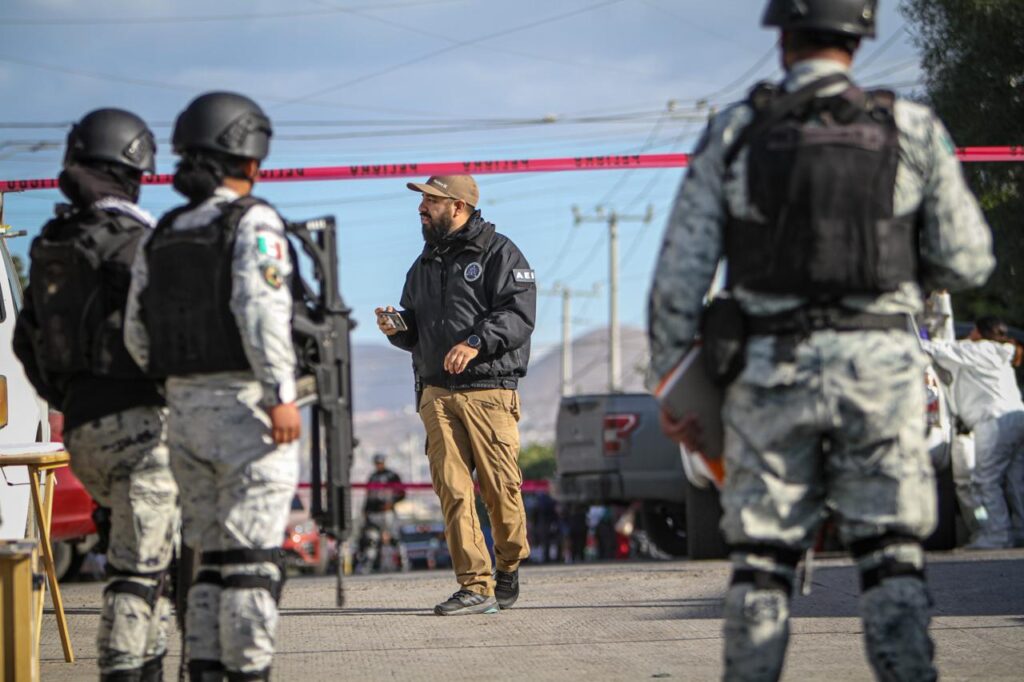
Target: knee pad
{"type": "Point", "coordinates": [273, 555]}
{"type": "Point", "coordinates": [779, 564]}
{"type": "Point", "coordinates": [878, 561]}
{"type": "Point", "coordinates": [121, 582]}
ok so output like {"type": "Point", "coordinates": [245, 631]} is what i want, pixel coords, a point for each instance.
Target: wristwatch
{"type": "Point", "coordinates": [474, 341]}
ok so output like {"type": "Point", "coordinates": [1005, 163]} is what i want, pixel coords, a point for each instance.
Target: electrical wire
{"type": "Point", "coordinates": [489, 48]}
{"type": "Point", "coordinates": [449, 48]}
{"type": "Point", "coordinates": [250, 16]}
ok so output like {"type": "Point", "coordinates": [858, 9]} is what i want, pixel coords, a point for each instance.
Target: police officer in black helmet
{"type": "Point", "coordinates": [834, 207]}
{"type": "Point", "coordinates": [209, 309]}
{"type": "Point", "coordinates": [69, 337]}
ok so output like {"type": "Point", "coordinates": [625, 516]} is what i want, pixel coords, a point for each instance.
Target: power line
{"type": "Point", "coordinates": [144, 82]}
{"type": "Point", "coordinates": [878, 51]}
{"type": "Point", "coordinates": [443, 50]}
{"type": "Point", "coordinates": [490, 48]}
{"type": "Point", "coordinates": [693, 24]}
{"type": "Point", "coordinates": [250, 16]}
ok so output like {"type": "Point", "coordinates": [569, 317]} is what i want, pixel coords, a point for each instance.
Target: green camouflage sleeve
{"type": "Point", "coordinates": [956, 244]}
{"type": "Point", "coordinates": [690, 250]}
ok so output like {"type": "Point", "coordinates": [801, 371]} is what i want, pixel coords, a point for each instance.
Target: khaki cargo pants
{"type": "Point", "coordinates": [467, 431]}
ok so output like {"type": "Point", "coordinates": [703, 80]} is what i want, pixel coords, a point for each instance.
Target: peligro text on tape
{"type": "Point", "coordinates": [496, 166]}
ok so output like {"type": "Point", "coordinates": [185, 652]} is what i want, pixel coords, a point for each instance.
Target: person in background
{"type": "Point", "coordinates": [989, 403]}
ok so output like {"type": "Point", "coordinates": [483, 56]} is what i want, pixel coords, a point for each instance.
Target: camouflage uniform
{"type": "Point", "coordinates": [122, 461]}
{"type": "Point", "coordinates": [115, 432]}
{"type": "Point", "coordinates": [832, 420]}
{"type": "Point", "coordinates": [236, 483]}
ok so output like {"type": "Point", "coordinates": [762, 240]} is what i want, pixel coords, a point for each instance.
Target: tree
{"type": "Point", "coordinates": [537, 462]}
{"type": "Point", "coordinates": [19, 268]}
{"type": "Point", "coordinates": [973, 60]}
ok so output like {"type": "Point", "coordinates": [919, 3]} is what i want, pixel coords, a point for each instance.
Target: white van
{"type": "Point", "coordinates": [23, 415]}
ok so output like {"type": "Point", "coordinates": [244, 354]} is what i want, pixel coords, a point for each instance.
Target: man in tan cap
{"type": "Point", "coordinates": [468, 309]}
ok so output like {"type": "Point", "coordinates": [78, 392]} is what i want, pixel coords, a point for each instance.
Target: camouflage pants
{"type": "Point", "coordinates": [236, 491]}
{"type": "Point", "coordinates": [834, 422]}
{"type": "Point", "coordinates": [122, 461]}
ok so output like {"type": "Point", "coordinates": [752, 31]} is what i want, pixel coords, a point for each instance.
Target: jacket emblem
{"type": "Point", "coordinates": [472, 272]}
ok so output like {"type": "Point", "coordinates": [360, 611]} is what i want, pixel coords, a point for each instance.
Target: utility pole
{"type": "Point", "coordinates": [566, 293]}
{"type": "Point", "coordinates": [614, 340]}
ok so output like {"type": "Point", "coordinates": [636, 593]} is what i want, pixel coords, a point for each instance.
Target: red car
{"type": "Point", "coordinates": [72, 528]}
{"type": "Point", "coordinates": [306, 547]}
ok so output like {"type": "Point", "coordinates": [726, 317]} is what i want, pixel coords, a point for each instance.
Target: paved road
{"type": "Point", "coordinates": [618, 621]}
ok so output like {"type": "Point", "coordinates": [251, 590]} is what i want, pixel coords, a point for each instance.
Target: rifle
{"type": "Point", "coordinates": [321, 326]}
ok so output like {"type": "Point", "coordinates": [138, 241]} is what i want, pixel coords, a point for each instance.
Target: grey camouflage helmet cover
{"type": "Point", "coordinates": [854, 18]}
{"type": "Point", "coordinates": [224, 122]}
{"type": "Point", "coordinates": [112, 135]}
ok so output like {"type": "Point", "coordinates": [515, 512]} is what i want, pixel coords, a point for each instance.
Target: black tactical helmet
{"type": "Point", "coordinates": [854, 18]}
{"type": "Point", "coordinates": [112, 135]}
{"type": "Point", "coordinates": [223, 122]}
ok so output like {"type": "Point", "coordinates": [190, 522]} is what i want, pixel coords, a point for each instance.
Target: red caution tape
{"type": "Point", "coordinates": [539, 486]}
{"type": "Point", "coordinates": [574, 163]}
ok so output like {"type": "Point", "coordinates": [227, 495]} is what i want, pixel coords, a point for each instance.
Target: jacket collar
{"type": "Point", "coordinates": [475, 236]}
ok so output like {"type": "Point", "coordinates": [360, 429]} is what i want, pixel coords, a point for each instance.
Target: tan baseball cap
{"type": "Point", "coordinates": [462, 187]}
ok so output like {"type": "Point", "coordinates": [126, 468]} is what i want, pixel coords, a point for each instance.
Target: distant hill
{"type": "Point", "coordinates": [382, 378]}
{"type": "Point", "coordinates": [540, 390]}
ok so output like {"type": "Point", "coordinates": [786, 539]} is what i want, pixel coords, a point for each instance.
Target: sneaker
{"type": "Point", "coordinates": [465, 603]}
{"type": "Point", "coordinates": [506, 589]}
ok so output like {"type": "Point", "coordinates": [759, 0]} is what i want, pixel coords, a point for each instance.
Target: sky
{"type": "Point", "coordinates": [389, 81]}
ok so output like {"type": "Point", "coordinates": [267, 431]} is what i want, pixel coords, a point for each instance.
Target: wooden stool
{"type": "Point", "coordinates": [40, 473]}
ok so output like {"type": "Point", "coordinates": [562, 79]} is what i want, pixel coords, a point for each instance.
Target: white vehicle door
{"type": "Point", "coordinates": [26, 413]}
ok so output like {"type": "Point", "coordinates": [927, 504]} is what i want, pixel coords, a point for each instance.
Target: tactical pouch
{"type": "Point", "coordinates": [723, 327]}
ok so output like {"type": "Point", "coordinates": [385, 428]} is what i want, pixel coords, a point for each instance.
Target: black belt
{"type": "Point", "coordinates": [811, 319]}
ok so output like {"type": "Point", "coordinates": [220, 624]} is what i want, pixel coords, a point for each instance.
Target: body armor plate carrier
{"type": "Point", "coordinates": [186, 304]}
{"type": "Point", "coordinates": [821, 179]}
{"type": "Point", "coordinates": [79, 280]}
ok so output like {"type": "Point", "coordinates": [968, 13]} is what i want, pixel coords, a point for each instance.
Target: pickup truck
{"type": "Point", "coordinates": [610, 450]}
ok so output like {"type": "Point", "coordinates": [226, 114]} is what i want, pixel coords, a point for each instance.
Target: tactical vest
{"type": "Point", "coordinates": [821, 179]}
{"type": "Point", "coordinates": [79, 278]}
{"type": "Point", "coordinates": [186, 306]}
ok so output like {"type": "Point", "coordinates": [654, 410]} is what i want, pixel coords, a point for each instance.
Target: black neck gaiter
{"type": "Point", "coordinates": [84, 185]}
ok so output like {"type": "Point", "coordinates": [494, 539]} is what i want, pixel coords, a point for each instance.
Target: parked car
{"type": "Point", "coordinates": [425, 546]}
{"type": "Point", "coordinates": [306, 548]}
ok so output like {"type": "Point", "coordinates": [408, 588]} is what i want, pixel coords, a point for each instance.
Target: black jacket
{"type": "Point", "coordinates": [475, 281]}
{"type": "Point", "coordinates": [385, 499]}
{"type": "Point", "coordinates": [83, 397]}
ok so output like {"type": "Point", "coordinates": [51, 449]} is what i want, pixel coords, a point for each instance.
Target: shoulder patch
{"type": "Point", "coordinates": [524, 276]}
{"type": "Point", "coordinates": [270, 243]}
{"type": "Point", "coordinates": [272, 276]}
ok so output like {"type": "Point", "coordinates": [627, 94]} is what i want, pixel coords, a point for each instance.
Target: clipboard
{"type": "Point", "coordinates": [687, 389]}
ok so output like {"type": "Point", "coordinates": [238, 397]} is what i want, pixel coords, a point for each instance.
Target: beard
{"type": "Point", "coordinates": [434, 231]}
